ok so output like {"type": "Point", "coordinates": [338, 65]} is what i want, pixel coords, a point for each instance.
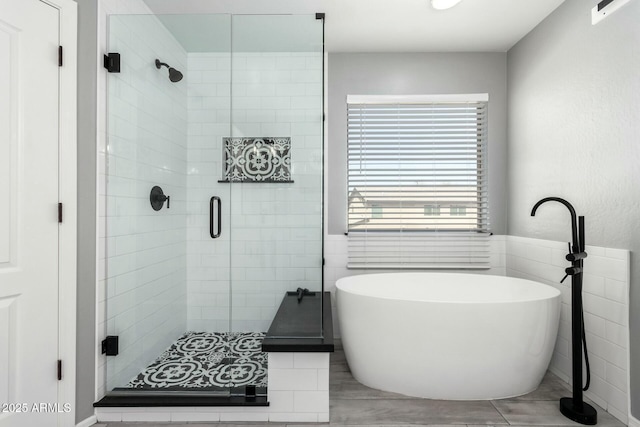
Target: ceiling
{"type": "Point", "coordinates": [390, 25]}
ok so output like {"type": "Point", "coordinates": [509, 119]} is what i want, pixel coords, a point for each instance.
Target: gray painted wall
{"type": "Point", "coordinates": [574, 109]}
{"type": "Point", "coordinates": [86, 269]}
{"type": "Point", "coordinates": [415, 73]}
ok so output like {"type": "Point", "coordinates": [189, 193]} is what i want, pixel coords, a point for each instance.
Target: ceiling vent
{"type": "Point", "coordinates": [605, 8]}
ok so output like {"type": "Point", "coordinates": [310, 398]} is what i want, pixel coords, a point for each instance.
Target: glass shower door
{"type": "Point", "coordinates": [208, 39]}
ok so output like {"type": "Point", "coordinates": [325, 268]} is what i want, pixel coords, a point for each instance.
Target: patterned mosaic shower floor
{"type": "Point", "coordinates": [205, 360]}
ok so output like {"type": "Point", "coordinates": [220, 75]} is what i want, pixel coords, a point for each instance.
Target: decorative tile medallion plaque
{"type": "Point", "coordinates": [257, 159]}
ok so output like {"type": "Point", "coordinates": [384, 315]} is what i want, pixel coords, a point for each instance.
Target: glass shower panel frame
{"type": "Point", "coordinates": [275, 164]}
{"type": "Point", "coordinates": [161, 263]}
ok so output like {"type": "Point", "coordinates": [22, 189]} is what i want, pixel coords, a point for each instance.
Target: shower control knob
{"type": "Point", "coordinates": [157, 198]}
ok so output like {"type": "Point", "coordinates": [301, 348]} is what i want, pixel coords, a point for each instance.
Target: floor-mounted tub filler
{"type": "Point", "coordinates": [448, 336]}
{"type": "Point", "coordinates": [575, 408]}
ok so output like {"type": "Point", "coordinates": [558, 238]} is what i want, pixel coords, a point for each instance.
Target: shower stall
{"type": "Point", "coordinates": [214, 196]}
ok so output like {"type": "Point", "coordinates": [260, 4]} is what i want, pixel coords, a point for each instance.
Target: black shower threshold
{"type": "Point", "coordinates": [301, 318]}
{"type": "Point", "coordinates": [151, 399]}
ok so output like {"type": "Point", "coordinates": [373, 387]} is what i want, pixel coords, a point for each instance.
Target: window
{"type": "Point", "coordinates": [376, 211]}
{"type": "Point", "coordinates": [412, 155]}
{"type": "Point", "coordinates": [431, 210]}
{"type": "Point", "coordinates": [458, 210]}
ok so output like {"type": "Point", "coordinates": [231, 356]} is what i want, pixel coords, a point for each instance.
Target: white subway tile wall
{"type": "Point", "coordinates": [271, 240]}
{"type": "Point", "coordinates": [143, 252]}
{"type": "Point", "coordinates": [299, 387]}
{"type": "Point", "coordinates": [606, 313]}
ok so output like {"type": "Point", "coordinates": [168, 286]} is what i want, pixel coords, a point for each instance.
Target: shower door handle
{"type": "Point", "coordinates": [219, 203]}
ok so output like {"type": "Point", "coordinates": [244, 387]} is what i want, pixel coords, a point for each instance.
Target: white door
{"type": "Point", "coordinates": [29, 38]}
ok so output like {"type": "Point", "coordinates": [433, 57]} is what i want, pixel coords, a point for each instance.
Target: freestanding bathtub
{"type": "Point", "coordinates": [448, 335]}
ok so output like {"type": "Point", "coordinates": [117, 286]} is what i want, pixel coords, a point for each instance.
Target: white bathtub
{"type": "Point", "coordinates": [448, 335]}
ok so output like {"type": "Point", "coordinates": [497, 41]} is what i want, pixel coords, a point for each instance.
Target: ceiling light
{"type": "Point", "coordinates": [444, 4]}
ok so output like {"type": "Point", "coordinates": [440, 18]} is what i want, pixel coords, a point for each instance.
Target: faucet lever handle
{"type": "Point", "coordinates": [564, 278]}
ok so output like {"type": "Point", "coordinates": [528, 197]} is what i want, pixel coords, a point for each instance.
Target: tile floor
{"type": "Point", "coordinates": [353, 404]}
{"type": "Point", "coordinates": [207, 361]}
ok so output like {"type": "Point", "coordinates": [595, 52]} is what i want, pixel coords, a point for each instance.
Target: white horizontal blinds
{"type": "Point", "coordinates": [413, 250]}
{"type": "Point", "coordinates": [417, 183]}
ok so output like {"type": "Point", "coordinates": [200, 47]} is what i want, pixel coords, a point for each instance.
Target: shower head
{"type": "Point", "coordinates": [174, 75]}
